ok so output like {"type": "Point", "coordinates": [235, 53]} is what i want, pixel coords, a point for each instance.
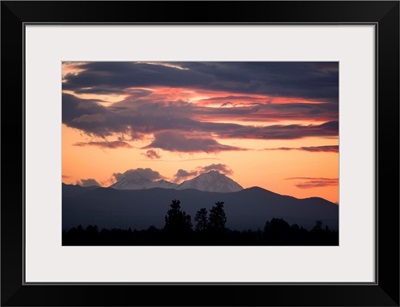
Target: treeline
{"type": "Point", "coordinates": [209, 229]}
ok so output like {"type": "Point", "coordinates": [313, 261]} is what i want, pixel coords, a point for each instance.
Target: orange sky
{"type": "Point", "coordinates": [257, 148]}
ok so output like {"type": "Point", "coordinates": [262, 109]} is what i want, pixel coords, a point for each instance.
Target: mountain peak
{"type": "Point", "coordinates": [212, 181]}
{"type": "Point", "coordinates": [214, 173]}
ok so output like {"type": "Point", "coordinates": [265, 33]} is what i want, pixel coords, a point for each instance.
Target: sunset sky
{"type": "Point", "coordinates": [267, 124]}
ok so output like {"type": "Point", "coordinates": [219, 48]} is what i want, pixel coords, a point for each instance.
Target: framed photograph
{"type": "Point", "coordinates": [246, 152]}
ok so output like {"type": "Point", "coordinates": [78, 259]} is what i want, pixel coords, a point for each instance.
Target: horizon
{"type": "Point", "coordinates": [272, 125]}
{"type": "Point", "coordinates": [177, 185]}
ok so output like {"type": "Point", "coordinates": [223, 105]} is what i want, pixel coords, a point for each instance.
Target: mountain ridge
{"type": "Point", "coordinates": [246, 209]}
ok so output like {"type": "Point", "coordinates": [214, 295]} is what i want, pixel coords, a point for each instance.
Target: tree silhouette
{"type": "Point", "coordinates": [318, 226]}
{"type": "Point", "coordinates": [217, 218]}
{"type": "Point", "coordinates": [201, 220]}
{"type": "Point", "coordinates": [177, 223]}
{"type": "Point", "coordinates": [277, 231]}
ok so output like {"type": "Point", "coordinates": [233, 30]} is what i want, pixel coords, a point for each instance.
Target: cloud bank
{"type": "Point", "coordinates": [190, 106]}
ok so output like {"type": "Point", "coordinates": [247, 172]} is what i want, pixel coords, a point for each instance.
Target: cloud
{"type": "Point", "coordinates": [327, 148]}
{"type": "Point", "coordinates": [181, 175]}
{"type": "Point", "coordinates": [209, 98]}
{"type": "Point", "coordinates": [109, 145]}
{"type": "Point", "coordinates": [127, 117]}
{"type": "Point", "coordinates": [314, 182]}
{"type": "Point", "coordinates": [178, 141]}
{"type": "Point", "coordinates": [138, 174]}
{"type": "Point", "coordinates": [90, 117]}
{"type": "Point", "coordinates": [162, 119]}
{"type": "Point", "coordinates": [65, 176]}
{"type": "Point", "coordinates": [117, 76]}
{"type": "Point", "coordinates": [316, 80]}
{"type": "Point", "coordinates": [282, 132]}
{"type": "Point", "coordinates": [222, 168]}
{"type": "Point", "coordinates": [88, 183]}
{"type": "Point", "coordinates": [184, 174]}
{"type": "Point", "coordinates": [257, 111]}
{"type": "Point", "coordinates": [152, 154]}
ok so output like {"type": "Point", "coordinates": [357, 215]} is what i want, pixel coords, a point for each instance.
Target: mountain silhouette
{"type": "Point", "coordinates": [139, 209]}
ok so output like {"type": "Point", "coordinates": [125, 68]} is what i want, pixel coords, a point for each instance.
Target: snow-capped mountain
{"type": "Point", "coordinates": [138, 182]}
{"type": "Point", "coordinates": [164, 184]}
{"type": "Point", "coordinates": [212, 181]}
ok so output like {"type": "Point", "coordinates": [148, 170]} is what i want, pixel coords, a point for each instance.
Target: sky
{"type": "Point", "coordinates": [267, 124]}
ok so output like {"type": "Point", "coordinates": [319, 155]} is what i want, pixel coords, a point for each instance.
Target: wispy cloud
{"type": "Point", "coordinates": [314, 182]}
{"type": "Point", "coordinates": [109, 145]}
{"type": "Point", "coordinates": [328, 148]}
{"type": "Point", "coordinates": [152, 154]}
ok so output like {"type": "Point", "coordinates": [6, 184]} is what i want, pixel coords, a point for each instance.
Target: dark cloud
{"type": "Point", "coordinates": [137, 119]}
{"type": "Point", "coordinates": [312, 182]}
{"type": "Point", "coordinates": [282, 131]}
{"type": "Point", "coordinates": [328, 148]}
{"type": "Point", "coordinates": [88, 183]}
{"type": "Point", "coordinates": [128, 117]}
{"type": "Point", "coordinates": [333, 148]}
{"type": "Point", "coordinates": [109, 145]}
{"type": "Point", "coordinates": [145, 112]}
{"type": "Point", "coordinates": [181, 175]}
{"type": "Point", "coordinates": [139, 173]}
{"type": "Point", "coordinates": [292, 79]}
{"type": "Point", "coordinates": [89, 116]}
{"type": "Point", "coordinates": [222, 168]}
{"type": "Point", "coordinates": [270, 112]}
{"type": "Point", "coordinates": [118, 76]}
{"type": "Point", "coordinates": [152, 154]}
{"type": "Point", "coordinates": [178, 141]}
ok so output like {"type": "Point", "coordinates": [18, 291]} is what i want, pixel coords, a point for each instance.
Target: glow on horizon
{"type": "Point", "coordinates": [83, 163]}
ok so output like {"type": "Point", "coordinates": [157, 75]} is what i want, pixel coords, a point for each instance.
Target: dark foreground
{"type": "Point", "coordinates": [277, 232]}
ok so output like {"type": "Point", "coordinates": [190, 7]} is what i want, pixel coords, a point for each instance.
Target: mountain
{"type": "Point", "coordinates": [164, 184]}
{"type": "Point", "coordinates": [139, 209]}
{"type": "Point", "coordinates": [136, 181]}
{"type": "Point", "coordinates": [212, 181]}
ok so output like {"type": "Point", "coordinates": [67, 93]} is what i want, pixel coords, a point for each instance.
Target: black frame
{"type": "Point", "coordinates": [383, 14]}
